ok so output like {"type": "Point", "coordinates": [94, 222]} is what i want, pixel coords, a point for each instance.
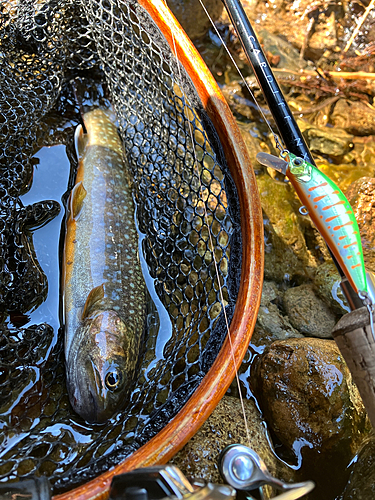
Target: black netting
{"type": "Point", "coordinates": [187, 212]}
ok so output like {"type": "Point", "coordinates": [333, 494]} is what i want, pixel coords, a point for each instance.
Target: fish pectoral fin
{"type": "Point", "coordinates": [77, 196]}
{"type": "Point", "coordinates": [95, 296]}
{"type": "Point", "coordinates": [80, 139]}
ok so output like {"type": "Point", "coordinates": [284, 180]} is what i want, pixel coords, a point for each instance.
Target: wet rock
{"type": "Point", "coordinates": [356, 117]}
{"type": "Point", "coordinates": [361, 195]}
{"type": "Point", "coordinates": [267, 12]}
{"type": "Point", "coordinates": [254, 143]}
{"type": "Point", "coordinates": [324, 36]}
{"type": "Point", "coordinates": [307, 396]}
{"type": "Point", "coordinates": [192, 17]}
{"type": "Point", "coordinates": [307, 313]}
{"type": "Point", "coordinates": [332, 142]}
{"type": "Point", "coordinates": [270, 293]}
{"type": "Point", "coordinates": [226, 426]}
{"type": "Point", "coordinates": [277, 46]}
{"type": "Point", "coordinates": [271, 325]}
{"type": "Point", "coordinates": [361, 484]}
{"type": "Point", "coordinates": [286, 254]}
{"type": "Point", "coordinates": [327, 286]}
{"type": "Point", "coordinates": [238, 104]}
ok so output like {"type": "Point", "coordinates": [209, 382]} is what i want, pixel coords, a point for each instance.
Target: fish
{"type": "Point", "coordinates": [104, 291]}
{"type": "Point", "coordinates": [330, 211]}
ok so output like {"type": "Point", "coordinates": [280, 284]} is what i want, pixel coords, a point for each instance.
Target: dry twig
{"type": "Point", "coordinates": [346, 75]}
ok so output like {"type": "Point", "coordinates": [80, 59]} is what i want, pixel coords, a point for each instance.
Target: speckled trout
{"type": "Point", "coordinates": [104, 291]}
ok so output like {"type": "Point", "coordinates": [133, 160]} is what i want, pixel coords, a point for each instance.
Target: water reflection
{"type": "Point", "coordinates": [50, 180]}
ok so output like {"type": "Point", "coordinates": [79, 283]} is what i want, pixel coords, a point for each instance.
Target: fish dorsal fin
{"type": "Point", "coordinates": [77, 196]}
{"type": "Point", "coordinates": [95, 296]}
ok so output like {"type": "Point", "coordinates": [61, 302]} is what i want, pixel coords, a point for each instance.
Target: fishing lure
{"type": "Point", "coordinates": [331, 213]}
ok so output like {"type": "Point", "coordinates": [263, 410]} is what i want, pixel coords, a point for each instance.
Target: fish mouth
{"type": "Point", "coordinates": [86, 393]}
{"type": "Point", "coordinates": [86, 405]}
{"type": "Point", "coordinates": [93, 414]}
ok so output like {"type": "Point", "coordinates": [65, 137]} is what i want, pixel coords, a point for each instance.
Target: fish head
{"type": "Point", "coordinates": [100, 367]}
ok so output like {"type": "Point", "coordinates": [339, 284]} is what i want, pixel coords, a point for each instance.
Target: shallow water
{"type": "Point", "coordinates": [50, 181]}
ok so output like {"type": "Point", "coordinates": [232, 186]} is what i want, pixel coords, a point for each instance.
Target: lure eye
{"type": "Point", "coordinates": [113, 380]}
{"type": "Point", "coordinates": [297, 162]}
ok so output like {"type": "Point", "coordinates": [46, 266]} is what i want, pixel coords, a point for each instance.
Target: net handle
{"type": "Point", "coordinates": [180, 429]}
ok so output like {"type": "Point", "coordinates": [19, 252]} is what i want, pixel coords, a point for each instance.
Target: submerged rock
{"type": "Point", "coordinates": [199, 457]}
{"type": "Point", "coordinates": [307, 395]}
{"type": "Point", "coordinates": [307, 313]}
{"type": "Point", "coordinates": [357, 163]}
{"type": "Point", "coordinates": [192, 17]}
{"type": "Point", "coordinates": [356, 117]}
{"type": "Point", "coordinates": [286, 254]}
{"type": "Point", "coordinates": [326, 284]}
{"type": "Point", "coordinates": [277, 46]}
{"type": "Point", "coordinates": [271, 324]}
{"type": "Point", "coordinates": [361, 484]}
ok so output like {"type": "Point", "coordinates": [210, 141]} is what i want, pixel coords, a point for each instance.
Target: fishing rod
{"type": "Point", "coordinates": [284, 120]}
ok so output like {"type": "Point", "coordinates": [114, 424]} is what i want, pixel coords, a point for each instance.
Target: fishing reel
{"type": "Point", "coordinates": [244, 470]}
{"type": "Point", "coordinates": [165, 482]}
{"type": "Point", "coordinates": [240, 467]}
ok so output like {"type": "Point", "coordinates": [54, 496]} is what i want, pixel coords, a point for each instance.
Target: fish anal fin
{"type": "Point", "coordinates": [77, 196]}
{"type": "Point", "coordinates": [95, 296]}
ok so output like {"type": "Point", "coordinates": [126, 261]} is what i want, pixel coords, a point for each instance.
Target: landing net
{"type": "Point", "coordinates": [183, 192]}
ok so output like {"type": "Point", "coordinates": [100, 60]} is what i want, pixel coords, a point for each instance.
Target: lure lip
{"type": "Point", "coordinates": [272, 161]}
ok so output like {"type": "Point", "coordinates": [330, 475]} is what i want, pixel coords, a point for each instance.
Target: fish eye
{"type": "Point", "coordinates": [113, 380]}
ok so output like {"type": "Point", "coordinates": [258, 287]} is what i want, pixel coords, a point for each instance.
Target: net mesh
{"type": "Point", "coordinates": [187, 211]}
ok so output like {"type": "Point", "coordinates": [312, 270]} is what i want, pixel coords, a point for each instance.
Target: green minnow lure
{"type": "Point", "coordinates": [104, 291]}
{"type": "Point", "coordinates": [330, 211]}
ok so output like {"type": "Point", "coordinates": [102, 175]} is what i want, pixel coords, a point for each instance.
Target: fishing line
{"type": "Point", "coordinates": [275, 136]}
{"type": "Point", "coordinates": [221, 296]}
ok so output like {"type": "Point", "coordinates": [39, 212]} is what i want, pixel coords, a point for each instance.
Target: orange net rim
{"type": "Point", "coordinates": [191, 417]}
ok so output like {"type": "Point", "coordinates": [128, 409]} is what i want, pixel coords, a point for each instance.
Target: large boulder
{"type": "Point", "coordinates": [307, 313]}
{"type": "Point", "coordinates": [306, 393]}
{"type": "Point", "coordinates": [313, 409]}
